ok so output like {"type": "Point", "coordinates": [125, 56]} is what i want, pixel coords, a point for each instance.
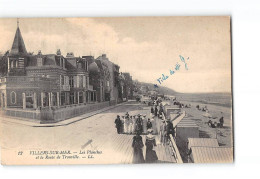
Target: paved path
{"type": "Point", "coordinates": [97, 132]}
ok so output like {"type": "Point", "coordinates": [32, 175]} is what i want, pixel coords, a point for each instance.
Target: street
{"type": "Point", "coordinates": [91, 135]}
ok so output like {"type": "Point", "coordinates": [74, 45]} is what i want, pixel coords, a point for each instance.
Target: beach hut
{"type": "Point", "coordinates": [202, 142]}
{"type": "Point", "coordinates": [211, 154]}
{"type": "Point", "coordinates": [185, 129]}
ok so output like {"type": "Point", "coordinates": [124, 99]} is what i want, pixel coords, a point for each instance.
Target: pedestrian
{"type": "Point", "coordinates": [152, 110]}
{"type": "Point", "coordinates": [150, 142]}
{"type": "Point", "coordinates": [160, 112]}
{"type": "Point", "coordinates": [170, 129]}
{"type": "Point", "coordinates": [138, 148]}
{"type": "Point", "coordinates": [139, 124]}
{"type": "Point", "coordinates": [130, 126]}
{"type": "Point", "coordinates": [221, 120]}
{"type": "Point", "coordinates": [149, 124]}
{"type": "Point", "coordinates": [144, 119]}
{"type": "Point", "coordinates": [155, 111]}
{"type": "Point", "coordinates": [118, 124]}
{"type": "Point", "coordinates": [126, 123]}
{"type": "Point", "coordinates": [163, 132]}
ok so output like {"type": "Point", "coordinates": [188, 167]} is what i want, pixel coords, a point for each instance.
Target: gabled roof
{"type": "Point", "coordinates": [18, 46]}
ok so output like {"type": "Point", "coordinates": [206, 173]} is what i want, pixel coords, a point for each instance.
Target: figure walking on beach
{"type": "Point", "coordinates": [151, 155]}
{"type": "Point", "coordinates": [138, 149]}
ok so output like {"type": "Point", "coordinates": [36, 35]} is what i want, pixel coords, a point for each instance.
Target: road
{"type": "Point", "coordinates": [96, 133]}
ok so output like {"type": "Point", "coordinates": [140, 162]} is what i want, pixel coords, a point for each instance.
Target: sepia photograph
{"type": "Point", "coordinates": [116, 90]}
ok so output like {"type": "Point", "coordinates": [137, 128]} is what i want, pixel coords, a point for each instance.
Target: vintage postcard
{"type": "Point", "coordinates": [116, 90]}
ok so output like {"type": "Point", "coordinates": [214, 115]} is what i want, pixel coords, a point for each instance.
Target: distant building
{"type": "Point", "coordinates": [111, 78]}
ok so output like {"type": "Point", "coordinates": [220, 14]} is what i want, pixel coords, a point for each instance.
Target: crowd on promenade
{"type": "Point", "coordinates": [152, 126]}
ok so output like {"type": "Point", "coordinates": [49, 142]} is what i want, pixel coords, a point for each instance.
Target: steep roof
{"type": "Point", "coordinates": [18, 46]}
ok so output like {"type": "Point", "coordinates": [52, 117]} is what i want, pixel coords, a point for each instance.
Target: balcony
{"type": "Point", "coordinates": [90, 87]}
{"type": "Point", "coordinates": [65, 87]}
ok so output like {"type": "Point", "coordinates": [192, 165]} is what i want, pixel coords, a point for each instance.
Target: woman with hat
{"type": "Point", "coordinates": [138, 148]}
{"type": "Point", "coordinates": [139, 124]}
{"type": "Point", "coordinates": [151, 155]}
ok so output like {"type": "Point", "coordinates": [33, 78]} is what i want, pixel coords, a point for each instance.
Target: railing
{"type": "Point", "coordinates": [65, 87]}
{"type": "Point", "coordinates": [175, 151]}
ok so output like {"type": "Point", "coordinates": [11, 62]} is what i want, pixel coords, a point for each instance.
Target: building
{"type": "Point", "coordinates": [43, 86]}
{"type": "Point", "coordinates": [211, 154]}
{"type": "Point", "coordinates": [128, 86]}
{"type": "Point", "coordinates": [111, 78]}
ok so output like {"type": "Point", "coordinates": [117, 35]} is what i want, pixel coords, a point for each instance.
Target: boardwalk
{"type": "Point", "coordinates": [97, 132]}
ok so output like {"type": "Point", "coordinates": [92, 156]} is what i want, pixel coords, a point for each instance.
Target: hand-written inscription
{"type": "Point", "coordinates": [172, 71]}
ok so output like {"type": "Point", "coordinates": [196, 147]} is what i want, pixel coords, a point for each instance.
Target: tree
{"type": "Point", "coordinates": [3, 64]}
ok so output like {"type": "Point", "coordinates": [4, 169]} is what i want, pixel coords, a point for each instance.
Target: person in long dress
{"type": "Point", "coordinates": [138, 149]}
{"type": "Point", "coordinates": [163, 132]}
{"type": "Point", "coordinates": [118, 124]}
{"type": "Point", "coordinates": [139, 124]}
{"type": "Point", "coordinates": [144, 123]}
{"type": "Point", "coordinates": [130, 125]}
{"type": "Point", "coordinates": [126, 124]}
{"type": "Point", "coordinates": [155, 111]}
{"type": "Point", "coordinates": [151, 156]}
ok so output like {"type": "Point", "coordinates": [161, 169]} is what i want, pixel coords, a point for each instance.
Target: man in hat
{"type": "Point", "coordinates": [149, 124]}
{"type": "Point", "coordinates": [170, 129]}
{"type": "Point", "coordinates": [118, 124]}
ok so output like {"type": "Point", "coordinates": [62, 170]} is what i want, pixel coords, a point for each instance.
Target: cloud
{"type": "Point", "coordinates": [205, 42]}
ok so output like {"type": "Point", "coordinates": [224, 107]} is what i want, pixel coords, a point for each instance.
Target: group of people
{"type": "Point", "coordinates": [219, 124]}
{"type": "Point", "coordinates": [140, 124]}
{"type": "Point", "coordinates": [157, 110]}
{"type": "Point", "coordinates": [166, 126]}
{"type": "Point", "coordinates": [134, 124]}
{"type": "Point", "coordinates": [150, 143]}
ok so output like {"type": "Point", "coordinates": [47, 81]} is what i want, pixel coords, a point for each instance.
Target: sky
{"type": "Point", "coordinates": [147, 47]}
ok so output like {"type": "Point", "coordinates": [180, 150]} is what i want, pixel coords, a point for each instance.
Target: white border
{"type": "Point", "coordinates": [246, 63]}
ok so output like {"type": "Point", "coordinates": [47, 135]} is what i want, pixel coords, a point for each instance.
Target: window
{"type": "Point", "coordinates": [80, 97]}
{"type": "Point", "coordinates": [12, 64]}
{"type": "Point", "coordinates": [13, 97]}
{"type": "Point", "coordinates": [62, 79]}
{"type": "Point", "coordinates": [71, 81]}
{"type": "Point", "coordinates": [72, 98]}
{"type": "Point", "coordinates": [29, 99]}
{"type": "Point", "coordinates": [45, 98]}
{"type": "Point", "coordinates": [62, 98]}
{"type": "Point", "coordinates": [39, 61]}
{"type": "Point", "coordinates": [80, 81]}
